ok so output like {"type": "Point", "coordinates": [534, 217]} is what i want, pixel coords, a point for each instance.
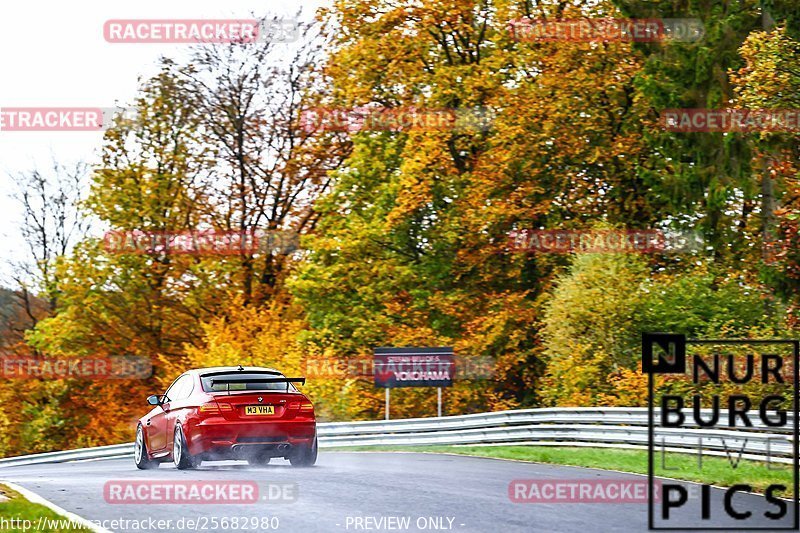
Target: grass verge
{"type": "Point", "coordinates": [17, 510]}
{"type": "Point", "coordinates": [715, 470]}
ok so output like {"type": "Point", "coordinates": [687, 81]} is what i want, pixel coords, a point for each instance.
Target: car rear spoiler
{"type": "Point", "coordinates": [228, 381]}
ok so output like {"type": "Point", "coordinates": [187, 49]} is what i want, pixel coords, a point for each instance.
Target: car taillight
{"type": "Point", "coordinates": [302, 406]}
{"type": "Point", "coordinates": [214, 408]}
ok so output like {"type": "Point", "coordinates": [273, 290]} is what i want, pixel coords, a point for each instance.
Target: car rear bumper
{"type": "Point", "coordinates": [225, 439]}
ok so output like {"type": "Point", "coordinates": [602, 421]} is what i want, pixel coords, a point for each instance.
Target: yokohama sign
{"type": "Point", "coordinates": [414, 367]}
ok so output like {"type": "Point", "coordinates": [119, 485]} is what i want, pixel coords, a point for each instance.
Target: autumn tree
{"type": "Point", "coordinates": [770, 80]}
{"type": "Point", "coordinates": [414, 232]}
{"type": "Point", "coordinates": [600, 306]}
{"type": "Point", "coordinates": [51, 225]}
{"type": "Point", "coordinates": [268, 168]}
{"type": "Point", "coordinates": [212, 145]}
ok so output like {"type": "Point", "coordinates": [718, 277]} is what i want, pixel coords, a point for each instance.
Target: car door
{"type": "Point", "coordinates": [157, 429]}
{"type": "Point", "coordinates": [178, 396]}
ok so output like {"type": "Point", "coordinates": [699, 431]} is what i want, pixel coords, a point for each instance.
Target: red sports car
{"type": "Point", "coordinates": [223, 413]}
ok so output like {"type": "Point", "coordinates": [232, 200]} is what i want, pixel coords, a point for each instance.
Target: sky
{"type": "Point", "coordinates": [55, 55]}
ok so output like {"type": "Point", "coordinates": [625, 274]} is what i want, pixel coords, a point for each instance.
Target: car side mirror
{"type": "Point", "coordinates": [153, 400]}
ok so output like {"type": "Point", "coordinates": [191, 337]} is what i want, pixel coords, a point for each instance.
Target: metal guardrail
{"type": "Point", "coordinates": [633, 416]}
{"type": "Point", "coordinates": [618, 427]}
{"type": "Point", "coordinates": [102, 452]}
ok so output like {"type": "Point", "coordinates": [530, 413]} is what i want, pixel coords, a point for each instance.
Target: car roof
{"type": "Point", "coordinates": [215, 369]}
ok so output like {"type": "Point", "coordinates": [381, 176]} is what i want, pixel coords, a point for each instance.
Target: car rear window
{"type": "Point", "coordinates": [223, 387]}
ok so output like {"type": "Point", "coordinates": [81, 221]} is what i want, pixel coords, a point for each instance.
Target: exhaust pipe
{"type": "Point", "coordinates": [245, 449]}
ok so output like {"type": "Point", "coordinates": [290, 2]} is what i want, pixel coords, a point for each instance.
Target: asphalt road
{"type": "Point", "coordinates": [359, 492]}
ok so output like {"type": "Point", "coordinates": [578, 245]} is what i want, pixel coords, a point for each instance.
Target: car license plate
{"type": "Point", "coordinates": [259, 410]}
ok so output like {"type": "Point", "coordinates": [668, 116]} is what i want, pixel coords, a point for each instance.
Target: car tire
{"type": "Point", "coordinates": [259, 460]}
{"type": "Point", "coordinates": [180, 452]}
{"type": "Point", "coordinates": [140, 452]}
{"type": "Point", "coordinates": [305, 456]}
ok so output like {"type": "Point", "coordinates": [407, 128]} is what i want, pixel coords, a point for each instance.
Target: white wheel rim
{"type": "Point", "coordinates": [137, 448]}
{"type": "Point", "coordinates": [176, 448]}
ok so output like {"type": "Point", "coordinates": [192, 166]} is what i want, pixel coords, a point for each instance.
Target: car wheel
{"type": "Point", "coordinates": [259, 460]}
{"type": "Point", "coordinates": [180, 452]}
{"type": "Point", "coordinates": [305, 455]}
{"type": "Point", "coordinates": [140, 452]}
